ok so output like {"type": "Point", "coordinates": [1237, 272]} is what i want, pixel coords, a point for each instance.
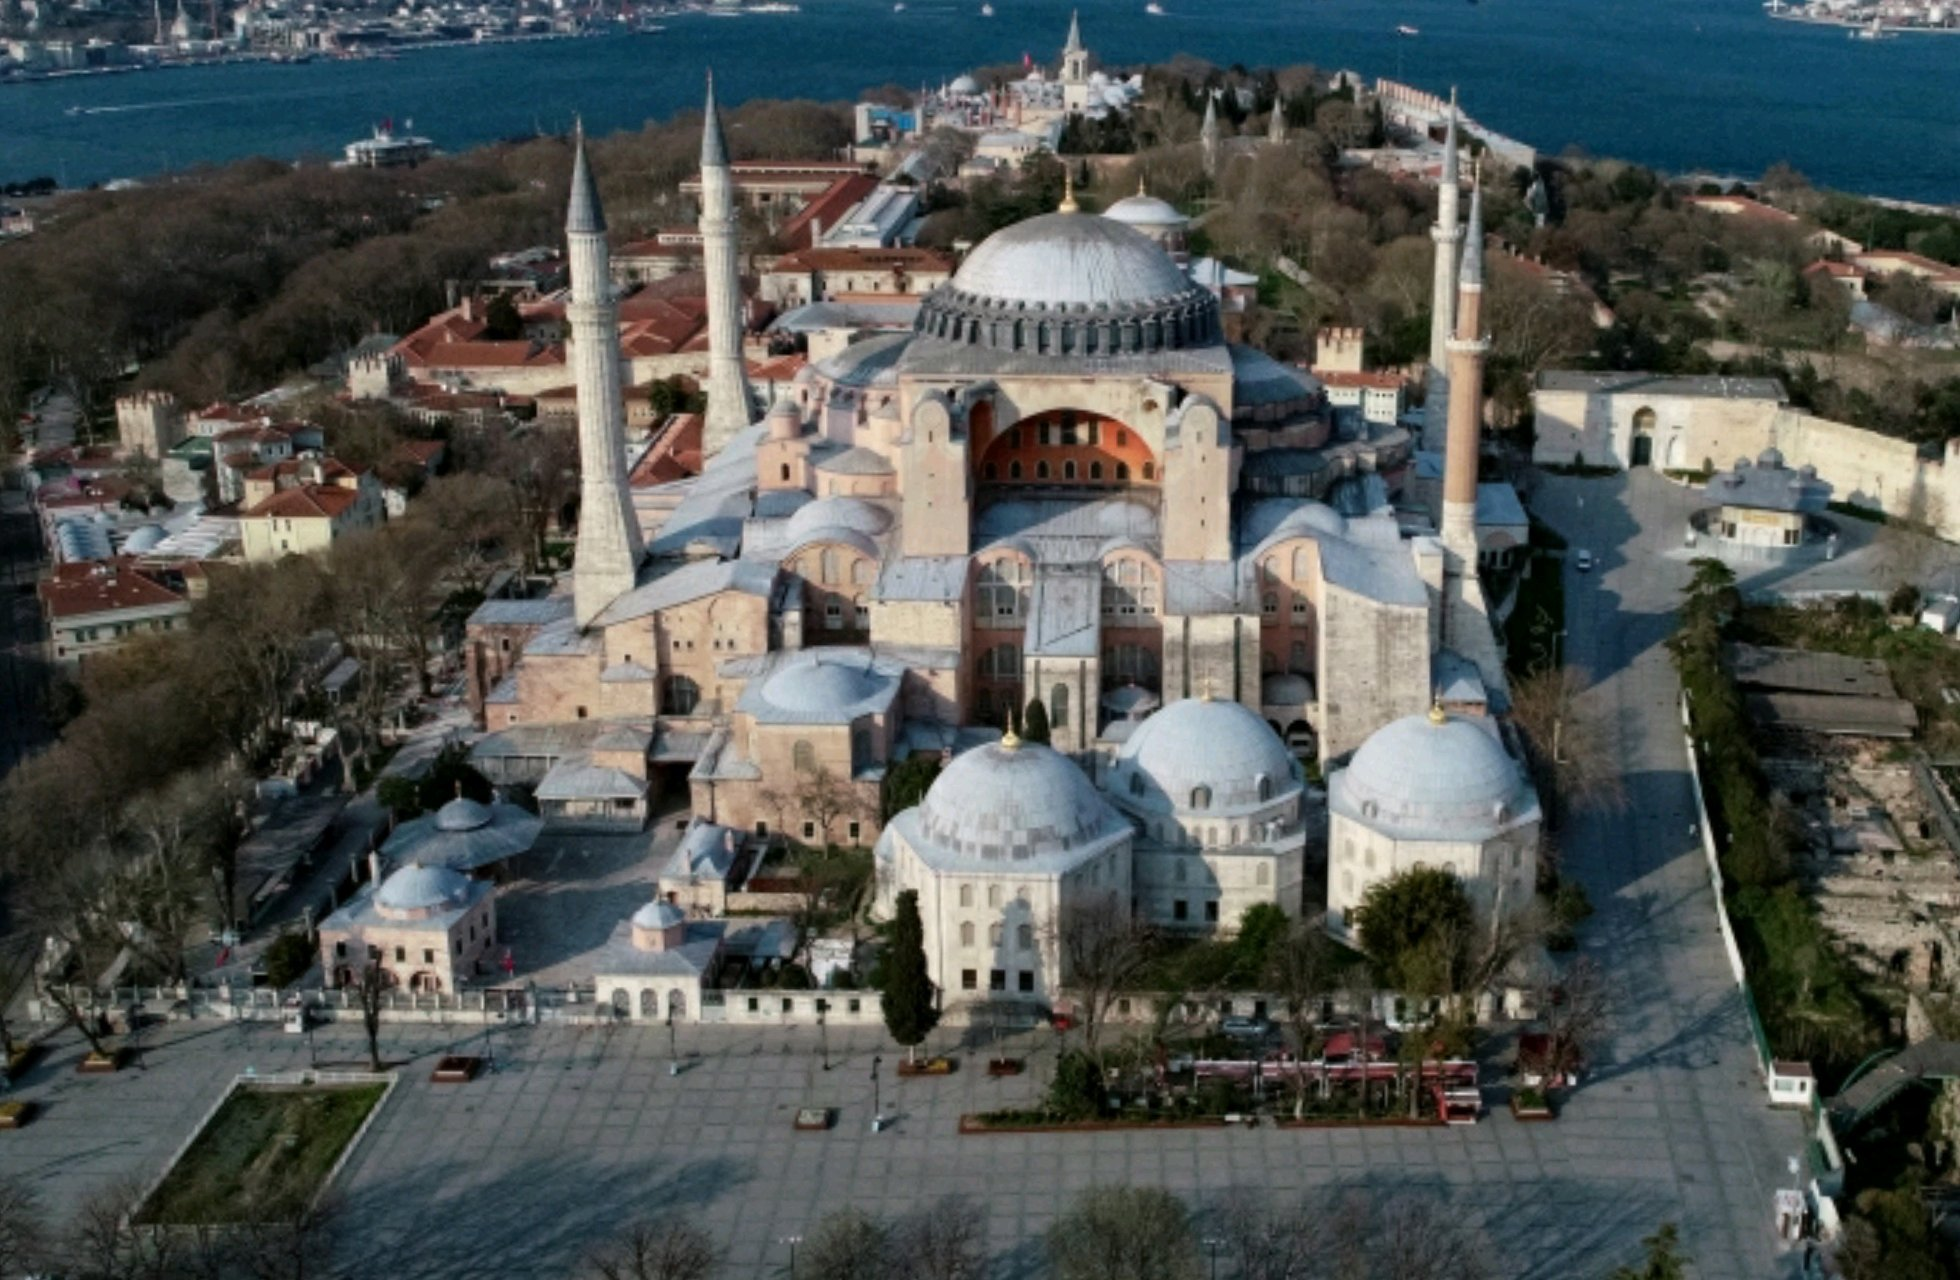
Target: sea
{"type": "Point", "coordinates": [1711, 86]}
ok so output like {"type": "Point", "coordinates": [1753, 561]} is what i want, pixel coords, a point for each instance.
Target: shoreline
{"type": "Point", "coordinates": [1851, 24]}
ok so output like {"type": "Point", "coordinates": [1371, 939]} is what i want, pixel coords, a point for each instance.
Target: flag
{"type": "Point", "coordinates": [1027, 61]}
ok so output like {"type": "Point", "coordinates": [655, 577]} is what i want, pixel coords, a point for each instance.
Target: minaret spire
{"type": "Point", "coordinates": [1208, 135]}
{"type": "Point", "coordinates": [1074, 44]}
{"type": "Point", "coordinates": [1448, 236]}
{"type": "Point", "coordinates": [609, 546]}
{"type": "Point", "coordinates": [1468, 350]}
{"type": "Point", "coordinates": [731, 405]}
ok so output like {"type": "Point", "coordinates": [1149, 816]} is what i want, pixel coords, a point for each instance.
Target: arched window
{"type": "Point", "coordinates": [1002, 588]}
{"type": "Point", "coordinates": [966, 895]}
{"type": "Point", "coordinates": [1149, 471]}
{"type": "Point", "coordinates": [786, 473]}
{"type": "Point", "coordinates": [1068, 469]}
{"type": "Point", "coordinates": [1014, 469]}
{"type": "Point", "coordinates": [993, 895]}
{"type": "Point", "coordinates": [1136, 784]}
{"type": "Point", "coordinates": [1269, 605]}
{"type": "Point", "coordinates": [1201, 797]}
{"type": "Point", "coordinates": [1058, 706]}
{"type": "Point", "coordinates": [991, 471]}
{"type": "Point", "coordinates": [1122, 471]}
{"type": "Point", "coordinates": [861, 750]}
{"type": "Point", "coordinates": [1002, 662]}
{"type": "Point", "coordinates": [1095, 471]}
{"type": "Point", "coordinates": [993, 934]}
{"type": "Point", "coordinates": [1265, 787]}
{"type": "Point", "coordinates": [1041, 469]}
{"type": "Point", "coordinates": [803, 756]}
{"type": "Point", "coordinates": [680, 696]}
{"type": "Point", "coordinates": [1264, 874]}
{"type": "Point", "coordinates": [1024, 937]}
{"type": "Point", "coordinates": [966, 933]}
{"type": "Point", "coordinates": [829, 563]}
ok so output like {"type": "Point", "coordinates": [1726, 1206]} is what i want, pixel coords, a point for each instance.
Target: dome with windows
{"type": "Point", "coordinates": [417, 891]}
{"type": "Point", "coordinates": [1013, 802]}
{"type": "Point", "coordinates": [1141, 210]}
{"type": "Point", "coordinates": [1203, 756]}
{"type": "Point", "coordinates": [1071, 284]}
{"type": "Point", "coordinates": [1434, 777]}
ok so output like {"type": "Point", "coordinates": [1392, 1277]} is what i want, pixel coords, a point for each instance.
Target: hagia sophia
{"type": "Point", "coordinates": [1063, 485]}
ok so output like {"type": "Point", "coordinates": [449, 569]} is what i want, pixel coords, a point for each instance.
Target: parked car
{"type": "Point", "coordinates": [1583, 561]}
{"type": "Point", "coordinates": [1245, 1028]}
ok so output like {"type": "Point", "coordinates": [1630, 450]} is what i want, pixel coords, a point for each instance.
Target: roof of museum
{"type": "Point", "coordinates": [1663, 384]}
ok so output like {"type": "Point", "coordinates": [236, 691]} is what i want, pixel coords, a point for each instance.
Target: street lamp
{"type": "Point", "coordinates": [1212, 1245]}
{"type": "Point", "coordinates": [877, 1108]}
{"type": "Point", "coordinates": [673, 1045]}
{"type": "Point", "coordinates": [823, 1034]}
{"type": "Point", "coordinates": [792, 1242]}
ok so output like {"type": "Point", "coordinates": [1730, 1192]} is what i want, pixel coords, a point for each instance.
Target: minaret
{"type": "Point", "coordinates": [1208, 136]}
{"type": "Point", "coordinates": [609, 546]}
{"type": "Point", "coordinates": [1467, 352]}
{"type": "Point", "coordinates": [731, 405]}
{"type": "Point", "coordinates": [1449, 242]}
{"type": "Point", "coordinates": [1276, 126]}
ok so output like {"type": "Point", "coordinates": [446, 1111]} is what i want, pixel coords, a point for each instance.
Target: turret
{"type": "Point", "coordinates": [609, 545]}
{"type": "Point", "coordinates": [731, 404]}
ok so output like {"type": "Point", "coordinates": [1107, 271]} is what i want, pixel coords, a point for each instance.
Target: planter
{"type": "Point", "coordinates": [1529, 1104]}
{"type": "Point", "coordinates": [814, 1119]}
{"type": "Point", "coordinates": [15, 1115]}
{"type": "Point", "coordinates": [928, 1067]}
{"type": "Point", "coordinates": [971, 1124]}
{"type": "Point", "coordinates": [456, 1069]}
{"type": "Point", "coordinates": [101, 1064]}
{"type": "Point", "coordinates": [23, 1058]}
{"type": "Point", "coordinates": [1005, 1066]}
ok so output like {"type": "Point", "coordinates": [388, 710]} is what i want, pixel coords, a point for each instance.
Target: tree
{"type": "Point", "coordinates": [1664, 1260]}
{"type": "Point", "coordinates": [1888, 1236]}
{"type": "Point", "coordinates": [1124, 1233]}
{"type": "Point", "coordinates": [1268, 1243]}
{"type": "Point", "coordinates": [371, 986]}
{"type": "Point", "coordinates": [1410, 1238]}
{"type": "Point", "coordinates": [1103, 951]}
{"type": "Point", "coordinates": [909, 1001]}
{"type": "Point", "coordinates": [1572, 754]}
{"type": "Point", "coordinates": [847, 1245]}
{"type": "Point", "coordinates": [1034, 723]}
{"type": "Point", "coordinates": [1409, 925]}
{"type": "Point", "coordinates": [1573, 1010]}
{"type": "Point", "coordinates": [660, 1250]}
{"type": "Point", "coordinates": [23, 1242]}
{"type": "Point", "coordinates": [501, 320]}
{"type": "Point", "coordinates": [907, 782]}
{"type": "Point", "coordinates": [944, 1240]}
{"type": "Point", "coordinates": [819, 797]}
{"type": "Point", "coordinates": [1300, 971]}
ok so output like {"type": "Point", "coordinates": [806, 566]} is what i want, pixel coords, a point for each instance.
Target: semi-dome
{"type": "Point", "coordinates": [1070, 260]}
{"type": "Point", "coordinates": [462, 814]}
{"type": "Point", "coordinates": [1071, 284]}
{"type": "Point", "coordinates": [419, 889]}
{"type": "Point", "coordinates": [659, 914]}
{"type": "Point", "coordinates": [815, 519]}
{"type": "Point", "coordinates": [1433, 777]}
{"type": "Point", "coordinates": [1203, 755]}
{"type": "Point", "coordinates": [1012, 802]}
{"type": "Point", "coordinates": [821, 686]}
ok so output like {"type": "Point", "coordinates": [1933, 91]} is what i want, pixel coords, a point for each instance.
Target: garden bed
{"type": "Point", "coordinates": [102, 1064]}
{"type": "Point", "coordinates": [15, 1115]}
{"type": "Point", "coordinates": [907, 1069]}
{"type": "Point", "coordinates": [1034, 1122]}
{"type": "Point", "coordinates": [456, 1069]}
{"type": "Point", "coordinates": [263, 1156]}
{"type": "Point", "coordinates": [1531, 1105]}
{"type": "Point", "coordinates": [1005, 1066]}
{"type": "Point", "coordinates": [815, 1119]}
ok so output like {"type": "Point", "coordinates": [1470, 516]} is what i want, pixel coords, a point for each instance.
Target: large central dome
{"type": "Point", "coordinates": [1071, 284]}
{"type": "Point", "coordinates": [1066, 260]}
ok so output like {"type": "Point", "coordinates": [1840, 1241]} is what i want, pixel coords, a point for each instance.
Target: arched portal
{"type": "Point", "coordinates": [1069, 447]}
{"type": "Point", "coordinates": [1641, 454]}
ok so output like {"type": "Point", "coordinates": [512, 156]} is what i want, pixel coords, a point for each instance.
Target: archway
{"type": "Point", "coordinates": [649, 1003]}
{"type": "Point", "coordinates": [1642, 451]}
{"type": "Point", "coordinates": [677, 1005]}
{"type": "Point", "coordinates": [1070, 447]}
{"type": "Point", "coordinates": [622, 1003]}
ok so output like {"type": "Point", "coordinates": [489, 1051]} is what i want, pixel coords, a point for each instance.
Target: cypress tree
{"type": "Point", "coordinates": [1034, 725]}
{"type": "Point", "coordinates": [908, 998]}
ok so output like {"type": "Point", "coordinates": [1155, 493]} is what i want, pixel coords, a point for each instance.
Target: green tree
{"type": "Point", "coordinates": [1413, 927]}
{"type": "Point", "coordinates": [907, 782]}
{"type": "Point", "coordinates": [1034, 724]}
{"type": "Point", "coordinates": [1261, 927]}
{"type": "Point", "coordinates": [1664, 1260]}
{"type": "Point", "coordinates": [501, 321]}
{"type": "Point", "coordinates": [910, 1011]}
{"type": "Point", "coordinates": [1124, 1233]}
{"type": "Point", "coordinates": [1889, 1236]}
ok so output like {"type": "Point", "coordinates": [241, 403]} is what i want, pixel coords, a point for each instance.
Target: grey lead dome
{"type": "Point", "coordinates": [1428, 779]}
{"type": "Point", "coordinates": [1001, 803]}
{"type": "Point", "coordinates": [1070, 260]}
{"type": "Point", "coordinates": [1219, 746]}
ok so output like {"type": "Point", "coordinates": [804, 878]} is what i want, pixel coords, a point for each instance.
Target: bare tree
{"type": "Point", "coordinates": [299, 1244]}
{"type": "Point", "coordinates": [1102, 950]}
{"type": "Point", "coordinates": [1269, 1243]}
{"type": "Point", "coordinates": [371, 987]}
{"type": "Point", "coordinates": [1300, 971]}
{"type": "Point", "coordinates": [847, 1245]}
{"type": "Point", "coordinates": [664, 1250]}
{"type": "Point", "coordinates": [1574, 1010]}
{"type": "Point", "coordinates": [23, 1241]}
{"type": "Point", "coordinates": [182, 839]}
{"type": "Point", "coordinates": [818, 797]}
{"type": "Point", "coordinates": [1123, 1233]}
{"type": "Point", "coordinates": [1573, 758]}
{"type": "Point", "coordinates": [945, 1240]}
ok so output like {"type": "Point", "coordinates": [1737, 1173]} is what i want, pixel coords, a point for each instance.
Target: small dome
{"type": "Point", "coordinates": [462, 814]}
{"type": "Point", "coordinates": [1145, 211]}
{"type": "Point", "coordinates": [826, 514]}
{"type": "Point", "coordinates": [1769, 458]}
{"type": "Point", "coordinates": [1012, 802]}
{"type": "Point", "coordinates": [964, 86]}
{"type": "Point", "coordinates": [419, 888]}
{"type": "Point", "coordinates": [819, 686]}
{"type": "Point", "coordinates": [1065, 260]}
{"type": "Point", "coordinates": [658, 915]}
{"type": "Point", "coordinates": [1433, 777]}
{"type": "Point", "coordinates": [1202, 755]}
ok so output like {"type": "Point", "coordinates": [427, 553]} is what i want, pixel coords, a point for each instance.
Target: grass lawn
{"type": "Point", "coordinates": [266, 1152]}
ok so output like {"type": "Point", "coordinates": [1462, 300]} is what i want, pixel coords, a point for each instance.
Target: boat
{"type": "Point", "coordinates": [386, 149]}
{"type": "Point", "coordinates": [1154, 9]}
{"type": "Point", "coordinates": [1406, 30]}
{"type": "Point", "coordinates": [986, 11]}
{"type": "Point", "coordinates": [899, 7]}
{"type": "Point", "coordinates": [1876, 31]}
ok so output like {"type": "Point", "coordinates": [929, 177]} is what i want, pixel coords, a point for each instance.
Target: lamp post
{"type": "Point", "coordinates": [673, 1045]}
{"type": "Point", "coordinates": [792, 1242]}
{"type": "Point", "coordinates": [823, 1034]}
{"type": "Point", "coordinates": [1212, 1245]}
{"type": "Point", "coordinates": [877, 1108]}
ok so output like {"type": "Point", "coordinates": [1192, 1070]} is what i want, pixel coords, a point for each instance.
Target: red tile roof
{"type": "Point", "coordinates": [827, 209]}
{"type": "Point", "coordinates": [778, 369]}
{"type": "Point", "coordinates": [1347, 378]}
{"type": "Point", "coordinates": [840, 259]}
{"type": "Point", "coordinates": [306, 502]}
{"type": "Point", "coordinates": [77, 590]}
{"type": "Point", "coordinates": [674, 455]}
{"type": "Point", "coordinates": [1741, 207]}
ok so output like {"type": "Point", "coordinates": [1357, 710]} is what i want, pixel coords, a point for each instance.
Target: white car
{"type": "Point", "coordinates": [1583, 561]}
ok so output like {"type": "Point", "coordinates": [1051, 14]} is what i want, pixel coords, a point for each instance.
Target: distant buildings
{"type": "Point", "coordinates": [309, 509]}
{"type": "Point", "coordinates": [95, 607]}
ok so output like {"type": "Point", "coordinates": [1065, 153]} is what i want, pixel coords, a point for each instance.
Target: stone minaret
{"type": "Point", "coordinates": [1208, 136]}
{"type": "Point", "coordinates": [1449, 243]}
{"type": "Point", "coordinates": [1276, 125]}
{"type": "Point", "coordinates": [731, 405]}
{"type": "Point", "coordinates": [609, 546]}
{"type": "Point", "coordinates": [1467, 351]}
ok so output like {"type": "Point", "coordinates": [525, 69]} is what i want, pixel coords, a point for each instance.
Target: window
{"type": "Point", "coordinates": [1002, 590]}
{"type": "Point", "coordinates": [1095, 471]}
{"type": "Point", "coordinates": [993, 934]}
{"type": "Point", "coordinates": [1041, 470]}
{"type": "Point", "coordinates": [966, 933]}
{"type": "Point", "coordinates": [680, 696]}
{"type": "Point", "coordinates": [786, 473]}
{"type": "Point", "coordinates": [969, 979]}
{"type": "Point", "coordinates": [993, 895]}
{"type": "Point", "coordinates": [581, 713]}
{"type": "Point", "coordinates": [1269, 605]}
{"type": "Point", "coordinates": [966, 895]}
{"type": "Point", "coordinates": [1264, 875]}
{"type": "Point", "coordinates": [1177, 871]}
{"type": "Point", "coordinates": [1024, 937]}
{"type": "Point", "coordinates": [991, 471]}
{"type": "Point", "coordinates": [1149, 471]}
{"type": "Point", "coordinates": [340, 950]}
{"type": "Point", "coordinates": [1180, 910]}
{"type": "Point", "coordinates": [1265, 787]}
{"type": "Point", "coordinates": [1002, 662]}
{"type": "Point", "coordinates": [1201, 797]}
{"type": "Point", "coordinates": [1211, 911]}
{"type": "Point", "coordinates": [1058, 707]}
{"type": "Point", "coordinates": [401, 954]}
{"type": "Point", "coordinates": [854, 831]}
{"type": "Point", "coordinates": [862, 614]}
{"type": "Point", "coordinates": [833, 616]}
{"type": "Point", "coordinates": [428, 955]}
{"type": "Point", "coordinates": [1014, 469]}
{"type": "Point", "coordinates": [997, 980]}
{"type": "Point", "coordinates": [1027, 980]}
{"type": "Point", "coordinates": [809, 829]}
{"type": "Point", "coordinates": [803, 756]}
{"type": "Point", "coordinates": [754, 1004]}
{"type": "Point", "coordinates": [828, 564]}
{"type": "Point", "coordinates": [788, 1004]}
{"type": "Point", "coordinates": [1122, 471]}
{"type": "Point", "coordinates": [1068, 469]}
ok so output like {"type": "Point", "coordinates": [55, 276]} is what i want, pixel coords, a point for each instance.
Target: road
{"type": "Point", "coordinates": [1681, 1042]}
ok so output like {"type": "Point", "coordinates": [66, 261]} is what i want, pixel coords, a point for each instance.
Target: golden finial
{"type": "Point", "coordinates": [1068, 193]}
{"type": "Point", "coordinates": [1436, 713]}
{"type": "Point", "coordinates": [1010, 741]}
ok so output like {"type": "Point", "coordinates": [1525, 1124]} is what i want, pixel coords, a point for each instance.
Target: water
{"type": "Point", "coordinates": [1679, 84]}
